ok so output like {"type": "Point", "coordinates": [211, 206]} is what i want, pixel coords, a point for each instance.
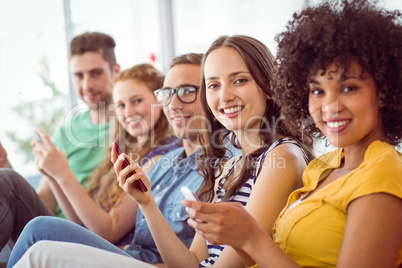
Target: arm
{"type": "Point", "coordinates": [234, 226]}
{"type": "Point", "coordinates": [166, 240]}
{"type": "Point", "coordinates": [110, 225]}
{"type": "Point", "coordinates": [49, 191]}
{"type": "Point", "coordinates": [281, 173]}
{"type": "Point", "coordinates": [373, 233]}
{"type": "Point", "coordinates": [61, 199]}
{"type": "Point", "coordinates": [48, 186]}
{"type": "Point", "coordinates": [265, 203]}
{"type": "Point", "coordinates": [46, 194]}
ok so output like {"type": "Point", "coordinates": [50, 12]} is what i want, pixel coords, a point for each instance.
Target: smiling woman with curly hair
{"type": "Point", "coordinates": [339, 76]}
{"type": "Point", "coordinates": [343, 32]}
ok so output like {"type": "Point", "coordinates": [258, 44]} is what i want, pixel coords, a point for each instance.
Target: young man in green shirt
{"type": "Point", "coordinates": [84, 136]}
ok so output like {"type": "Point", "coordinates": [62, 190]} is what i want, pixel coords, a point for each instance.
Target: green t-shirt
{"type": "Point", "coordinates": [85, 145]}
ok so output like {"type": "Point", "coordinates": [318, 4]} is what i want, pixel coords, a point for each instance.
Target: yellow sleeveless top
{"type": "Point", "coordinates": [311, 233]}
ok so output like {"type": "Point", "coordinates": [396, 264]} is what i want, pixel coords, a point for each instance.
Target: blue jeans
{"type": "Point", "coordinates": [57, 229]}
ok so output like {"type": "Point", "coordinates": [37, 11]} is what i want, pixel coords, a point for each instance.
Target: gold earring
{"type": "Point", "coordinates": [381, 102]}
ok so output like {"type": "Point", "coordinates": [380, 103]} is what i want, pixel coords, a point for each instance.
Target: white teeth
{"type": "Point", "coordinates": [133, 122]}
{"type": "Point", "coordinates": [336, 124]}
{"type": "Point", "coordinates": [232, 110]}
{"type": "Point", "coordinates": [178, 118]}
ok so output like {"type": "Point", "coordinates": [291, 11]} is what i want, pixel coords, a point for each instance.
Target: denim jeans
{"type": "Point", "coordinates": [57, 229]}
{"type": "Point", "coordinates": [19, 203]}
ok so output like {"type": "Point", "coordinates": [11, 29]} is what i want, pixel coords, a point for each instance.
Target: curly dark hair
{"type": "Point", "coordinates": [340, 31]}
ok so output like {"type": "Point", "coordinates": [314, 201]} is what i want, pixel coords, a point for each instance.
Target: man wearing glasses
{"type": "Point", "coordinates": [181, 105]}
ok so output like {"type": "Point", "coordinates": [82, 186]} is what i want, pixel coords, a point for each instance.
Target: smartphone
{"type": "Point", "coordinates": [36, 135]}
{"type": "Point", "coordinates": [138, 183]}
{"type": "Point", "coordinates": [188, 194]}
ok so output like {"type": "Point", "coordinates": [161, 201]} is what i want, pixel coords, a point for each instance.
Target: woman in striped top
{"type": "Point", "coordinates": [237, 99]}
{"type": "Point", "coordinates": [340, 64]}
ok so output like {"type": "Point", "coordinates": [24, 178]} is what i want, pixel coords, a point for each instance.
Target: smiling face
{"type": "Point", "coordinates": [91, 78]}
{"type": "Point", "coordinates": [232, 94]}
{"type": "Point", "coordinates": [185, 118]}
{"type": "Point", "coordinates": [345, 106]}
{"type": "Point", "coordinates": [136, 107]}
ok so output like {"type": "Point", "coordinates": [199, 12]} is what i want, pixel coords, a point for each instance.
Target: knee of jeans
{"type": "Point", "coordinates": [46, 227]}
{"type": "Point", "coordinates": [37, 224]}
{"type": "Point", "coordinates": [37, 221]}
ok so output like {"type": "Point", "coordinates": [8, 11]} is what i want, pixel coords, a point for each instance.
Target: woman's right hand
{"type": "Point", "coordinates": [50, 160]}
{"type": "Point", "coordinates": [226, 223]}
{"type": "Point", "coordinates": [126, 181]}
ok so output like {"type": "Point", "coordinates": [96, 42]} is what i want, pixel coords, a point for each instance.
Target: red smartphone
{"type": "Point", "coordinates": [138, 183]}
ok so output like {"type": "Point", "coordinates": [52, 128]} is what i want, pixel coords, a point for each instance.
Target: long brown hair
{"type": "Point", "coordinates": [103, 186]}
{"type": "Point", "coordinates": [261, 65]}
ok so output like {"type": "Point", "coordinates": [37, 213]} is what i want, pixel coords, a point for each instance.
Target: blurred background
{"type": "Point", "coordinates": [34, 77]}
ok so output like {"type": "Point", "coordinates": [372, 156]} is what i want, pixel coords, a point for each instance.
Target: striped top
{"type": "Point", "coordinates": [243, 194]}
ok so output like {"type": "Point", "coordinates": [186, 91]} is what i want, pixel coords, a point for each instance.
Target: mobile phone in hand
{"type": "Point", "coordinates": [188, 194]}
{"type": "Point", "coordinates": [36, 135]}
{"type": "Point", "coordinates": [138, 183]}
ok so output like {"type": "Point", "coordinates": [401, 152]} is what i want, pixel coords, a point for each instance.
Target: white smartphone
{"type": "Point", "coordinates": [188, 194]}
{"type": "Point", "coordinates": [36, 135]}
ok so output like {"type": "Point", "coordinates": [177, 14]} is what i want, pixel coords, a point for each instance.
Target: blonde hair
{"type": "Point", "coordinates": [103, 186]}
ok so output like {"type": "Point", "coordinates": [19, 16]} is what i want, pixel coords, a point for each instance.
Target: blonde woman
{"type": "Point", "coordinates": [103, 207]}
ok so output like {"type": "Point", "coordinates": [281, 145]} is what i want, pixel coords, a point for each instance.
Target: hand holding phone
{"type": "Point", "coordinates": [188, 194]}
{"type": "Point", "coordinates": [36, 135]}
{"type": "Point", "coordinates": [138, 183]}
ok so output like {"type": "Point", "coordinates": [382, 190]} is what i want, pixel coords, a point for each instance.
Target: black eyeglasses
{"type": "Point", "coordinates": [185, 93]}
